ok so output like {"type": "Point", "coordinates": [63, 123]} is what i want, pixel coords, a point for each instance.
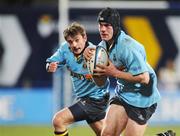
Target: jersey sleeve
{"type": "Point", "coordinates": [133, 57]}
{"type": "Point", "coordinates": [59, 56]}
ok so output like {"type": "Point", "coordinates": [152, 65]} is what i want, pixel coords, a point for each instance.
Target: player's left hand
{"type": "Point", "coordinates": [53, 67]}
{"type": "Point", "coordinates": [88, 52]}
{"type": "Point", "coordinates": [109, 70]}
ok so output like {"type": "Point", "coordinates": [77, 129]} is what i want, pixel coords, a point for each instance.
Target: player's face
{"type": "Point", "coordinates": [77, 43]}
{"type": "Point", "coordinates": [106, 31]}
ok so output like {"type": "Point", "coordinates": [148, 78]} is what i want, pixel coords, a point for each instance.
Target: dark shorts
{"type": "Point", "coordinates": [89, 109]}
{"type": "Point", "coordinates": [139, 115]}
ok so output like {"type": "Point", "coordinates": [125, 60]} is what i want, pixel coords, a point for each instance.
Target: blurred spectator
{"type": "Point", "coordinates": [168, 77]}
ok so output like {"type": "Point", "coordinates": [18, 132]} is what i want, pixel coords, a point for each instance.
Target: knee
{"type": "Point", "coordinates": [58, 120]}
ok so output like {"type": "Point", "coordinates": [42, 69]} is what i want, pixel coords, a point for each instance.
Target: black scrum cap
{"type": "Point", "coordinates": [112, 17]}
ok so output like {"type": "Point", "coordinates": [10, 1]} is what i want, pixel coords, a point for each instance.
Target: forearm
{"type": "Point", "coordinates": [141, 78]}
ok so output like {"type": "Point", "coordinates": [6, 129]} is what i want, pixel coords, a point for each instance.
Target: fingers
{"type": "Point", "coordinates": [100, 66]}
{"type": "Point", "coordinates": [53, 66]}
{"type": "Point", "coordinates": [100, 70]}
{"type": "Point", "coordinates": [88, 52]}
{"type": "Point", "coordinates": [97, 74]}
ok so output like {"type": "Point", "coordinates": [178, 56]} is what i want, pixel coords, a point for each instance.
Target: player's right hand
{"type": "Point", "coordinates": [88, 52]}
{"type": "Point", "coordinates": [52, 67]}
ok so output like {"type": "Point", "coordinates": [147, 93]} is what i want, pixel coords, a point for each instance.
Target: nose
{"type": "Point", "coordinates": [102, 28]}
{"type": "Point", "coordinates": [74, 44]}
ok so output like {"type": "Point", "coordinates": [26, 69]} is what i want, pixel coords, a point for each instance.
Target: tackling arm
{"type": "Point", "coordinates": [52, 67]}
{"type": "Point", "coordinates": [111, 70]}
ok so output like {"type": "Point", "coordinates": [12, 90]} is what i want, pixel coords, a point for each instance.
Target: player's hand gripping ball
{"type": "Point", "coordinates": [100, 57]}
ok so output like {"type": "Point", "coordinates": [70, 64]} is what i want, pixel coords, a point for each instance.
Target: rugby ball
{"type": "Point", "coordinates": [99, 56]}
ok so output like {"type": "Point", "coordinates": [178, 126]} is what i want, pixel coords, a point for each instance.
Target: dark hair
{"type": "Point", "coordinates": [112, 17]}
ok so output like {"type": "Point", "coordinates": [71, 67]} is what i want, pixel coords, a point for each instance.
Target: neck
{"type": "Point", "coordinates": [110, 42]}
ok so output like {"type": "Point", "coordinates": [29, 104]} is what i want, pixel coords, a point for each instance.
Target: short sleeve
{"type": "Point", "coordinates": [133, 56]}
{"type": "Point", "coordinates": [58, 56]}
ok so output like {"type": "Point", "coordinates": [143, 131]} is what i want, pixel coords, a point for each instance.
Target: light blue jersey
{"type": "Point", "coordinates": [131, 54]}
{"type": "Point", "coordinates": [82, 87]}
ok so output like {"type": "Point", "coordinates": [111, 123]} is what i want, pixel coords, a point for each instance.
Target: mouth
{"type": "Point", "coordinates": [76, 50]}
{"type": "Point", "coordinates": [104, 35]}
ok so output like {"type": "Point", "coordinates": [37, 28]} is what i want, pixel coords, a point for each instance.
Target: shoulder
{"type": "Point", "coordinates": [127, 42]}
{"type": "Point", "coordinates": [123, 42]}
{"type": "Point", "coordinates": [64, 46]}
{"type": "Point", "coordinates": [125, 39]}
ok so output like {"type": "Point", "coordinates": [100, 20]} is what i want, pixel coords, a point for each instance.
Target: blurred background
{"type": "Point", "coordinates": [30, 31]}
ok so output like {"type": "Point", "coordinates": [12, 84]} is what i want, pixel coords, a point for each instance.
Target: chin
{"type": "Point", "coordinates": [104, 38]}
{"type": "Point", "coordinates": [77, 53]}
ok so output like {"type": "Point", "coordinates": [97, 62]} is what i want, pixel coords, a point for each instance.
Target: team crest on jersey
{"type": "Point", "coordinates": [84, 65]}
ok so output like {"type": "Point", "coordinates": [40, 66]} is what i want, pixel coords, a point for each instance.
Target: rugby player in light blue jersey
{"type": "Point", "coordinates": [92, 99]}
{"type": "Point", "coordinates": [136, 93]}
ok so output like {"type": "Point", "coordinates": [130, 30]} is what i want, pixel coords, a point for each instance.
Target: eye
{"type": "Point", "coordinates": [70, 42]}
{"type": "Point", "coordinates": [77, 40]}
{"type": "Point", "coordinates": [107, 25]}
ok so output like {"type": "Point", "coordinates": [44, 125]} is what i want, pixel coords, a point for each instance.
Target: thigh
{"type": "Point", "coordinates": [95, 110]}
{"type": "Point", "coordinates": [139, 115]}
{"type": "Point", "coordinates": [115, 120]}
{"type": "Point", "coordinates": [78, 112]}
{"type": "Point", "coordinates": [134, 129]}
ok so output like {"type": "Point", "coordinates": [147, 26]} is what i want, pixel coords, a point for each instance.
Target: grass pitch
{"type": "Point", "coordinates": [73, 131]}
